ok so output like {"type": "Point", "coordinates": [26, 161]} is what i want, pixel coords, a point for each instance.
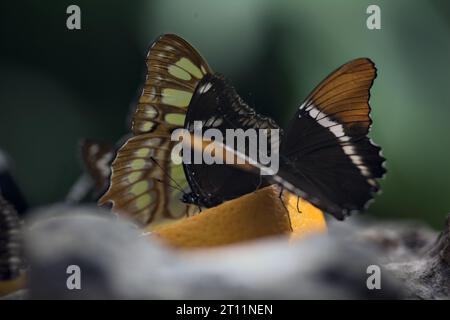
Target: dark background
{"type": "Point", "coordinates": [58, 86]}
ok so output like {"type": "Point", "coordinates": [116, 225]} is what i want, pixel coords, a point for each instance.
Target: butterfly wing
{"type": "Point", "coordinates": [326, 152]}
{"type": "Point", "coordinates": [139, 186]}
{"type": "Point", "coordinates": [11, 255]}
{"type": "Point", "coordinates": [97, 157]}
{"type": "Point", "coordinates": [8, 185]}
{"type": "Point", "coordinates": [217, 105]}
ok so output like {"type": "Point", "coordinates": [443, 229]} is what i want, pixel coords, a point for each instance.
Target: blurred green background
{"type": "Point", "coordinates": [57, 86]}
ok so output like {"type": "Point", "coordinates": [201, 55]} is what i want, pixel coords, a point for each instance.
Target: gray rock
{"type": "Point", "coordinates": [413, 253]}
{"type": "Point", "coordinates": [117, 262]}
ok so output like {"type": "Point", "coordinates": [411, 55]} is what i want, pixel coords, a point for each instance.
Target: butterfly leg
{"type": "Point", "coordinates": [280, 196]}
{"type": "Point", "coordinates": [259, 183]}
{"type": "Point", "coordinates": [298, 205]}
{"type": "Point", "coordinates": [191, 213]}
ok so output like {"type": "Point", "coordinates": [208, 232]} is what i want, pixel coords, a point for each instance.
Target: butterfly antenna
{"type": "Point", "coordinates": [169, 185]}
{"type": "Point", "coordinates": [165, 173]}
{"type": "Point", "coordinates": [258, 186]}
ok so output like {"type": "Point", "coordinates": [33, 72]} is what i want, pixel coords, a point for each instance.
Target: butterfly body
{"type": "Point", "coordinates": [196, 199]}
{"type": "Point", "coordinates": [217, 105]}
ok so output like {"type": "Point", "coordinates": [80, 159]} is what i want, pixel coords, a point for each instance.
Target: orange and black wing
{"type": "Point", "coordinates": [326, 154]}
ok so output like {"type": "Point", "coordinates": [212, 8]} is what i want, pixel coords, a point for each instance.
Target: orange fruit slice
{"type": "Point", "coordinates": [252, 216]}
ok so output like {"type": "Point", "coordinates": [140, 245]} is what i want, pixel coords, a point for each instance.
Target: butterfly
{"type": "Point", "coordinates": [8, 185]}
{"type": "Point", "coordinates": [97, 158]}
{"type": "Point", "coordinates": [13, 207]}
{"type": "Point", "coordinates": [325, 154]}
{"type": "Point", "coordinates": [11, 253]}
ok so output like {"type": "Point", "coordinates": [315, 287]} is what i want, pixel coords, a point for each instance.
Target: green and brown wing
{"type": "Point", "coordinates": [145, 183]}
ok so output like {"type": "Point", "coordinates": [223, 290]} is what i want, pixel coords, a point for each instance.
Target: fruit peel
{"type": "Point", "coordinates": [253, 216]}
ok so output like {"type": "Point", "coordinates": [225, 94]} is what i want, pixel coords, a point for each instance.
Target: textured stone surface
{"type": "Point", "coordinates": [414, 254]}
{"type": "Point", "coordinates": [118, 262]}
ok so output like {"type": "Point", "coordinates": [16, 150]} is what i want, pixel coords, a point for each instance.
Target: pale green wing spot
{"type": "Point", "coordinates": [134, 176]}
{"type": "Point", "coordinates": [177, 172]}
{"type": "Point", "coordinates": [187, 65]}
{"type": "Point", "coordinates": [138, 164]}
{"type": "Point", "coordinates": [176, 119]}
{"type": "Point", "coordinates": [176, 98]}
{"type": "Point", "coordinates": [153, 142]}
{"type": "Point", "coordinates": [143, 201]}
{"type": "Point", "coordinates": [143, 152]}
{"type": "Point", "coordinates": [150, 111]}
{"type": "Point", "coordinates": [139, 188]}
{"type": "Point", "coordinates": [179, 73]}
{"type": "Point", "coordinates": [147, 126]}
{"type": "Point", "coordinates": [176, 207]}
